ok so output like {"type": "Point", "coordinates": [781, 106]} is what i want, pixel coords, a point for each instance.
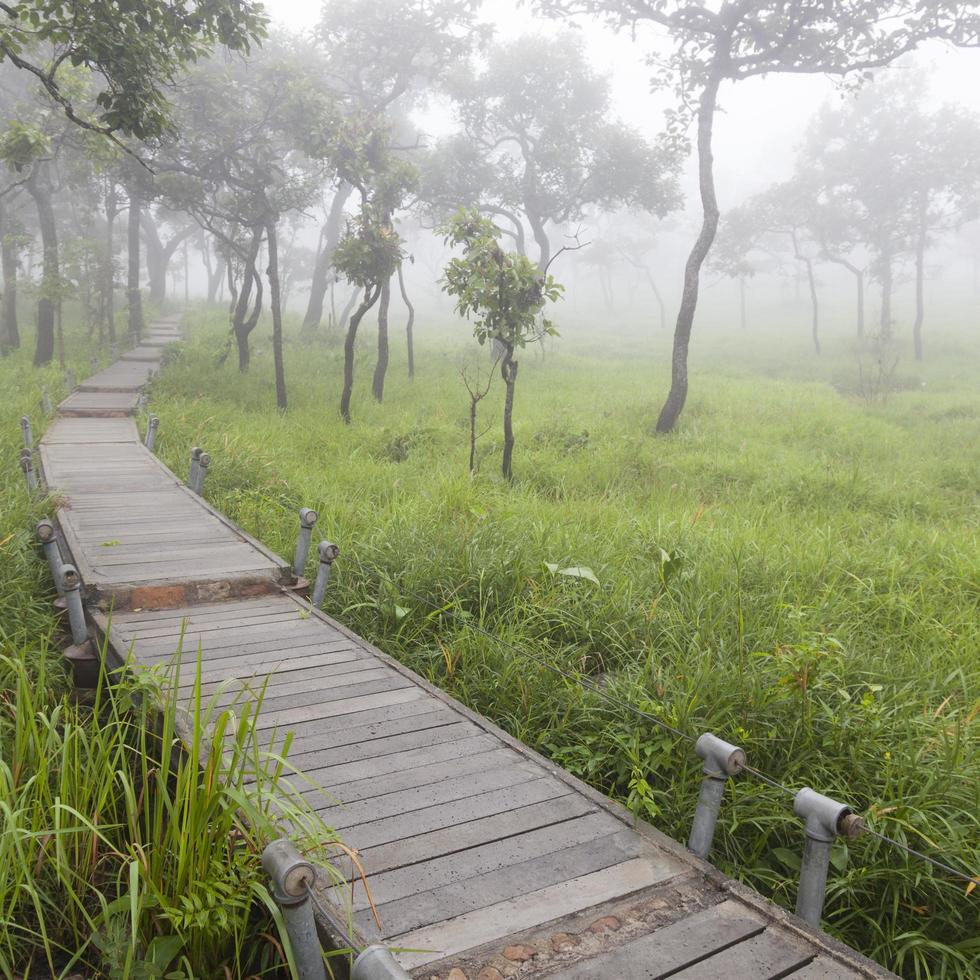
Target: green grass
{"type": "Point", "coordinates": [794, 570]}
{"type": "Point", "coordinates": [119, 856]}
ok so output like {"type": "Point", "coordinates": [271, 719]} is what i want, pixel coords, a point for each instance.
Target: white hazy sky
{"type": "Point", "coordinates": [763, 119]}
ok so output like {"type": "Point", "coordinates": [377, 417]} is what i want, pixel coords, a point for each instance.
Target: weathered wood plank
{"type": "Point", "coordinates": [772, 954]}
{"type": "Point", "coordinates": [534, 908]}
{"type": "Point", "coordinates": [661, 953]}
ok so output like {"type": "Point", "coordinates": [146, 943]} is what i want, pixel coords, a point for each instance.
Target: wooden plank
{"type": "Point", "coordinates": [344, 688]}
{"type": "Point", "coordinates": [334, 709]}
{"type": "Point", "coordinates": [440, 814]}
{"type": "Point", "coordinates": [345, 661]}
{"type": "Point", "coordinates": [501, 884]}
{"type": "Point", "coordinates": [824, 968]}
{"type": "Point", "coordinates": [497, 826]}
{"type": "Point", "coordinates": [486, 858]}
{"type": "Point", "coordinates": [683, 943]}
{"type": "Point", "coordinates": [212, 625]}
{"type": "Point", "coordinates": [770, 955]}
{"type": "Point", "coordinates": [484, 778]}
{"type": "Point", "coordinates": [202, 611]}
{"type": "Point", "coordinates": [271, 649]}
{"type": "Point", "coordinates": [534, 908]}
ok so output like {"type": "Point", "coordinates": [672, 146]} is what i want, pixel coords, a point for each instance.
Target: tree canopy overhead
{"type": "Point", "coordinates": [134, 48]}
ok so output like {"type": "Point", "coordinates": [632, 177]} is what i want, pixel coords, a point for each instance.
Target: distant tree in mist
{"type": "Point", "coordinates": [734, 41]}
{"type": "Point", "coordinates": [893, 172]}
{"type": "Point", "coordinates": [540, 146]}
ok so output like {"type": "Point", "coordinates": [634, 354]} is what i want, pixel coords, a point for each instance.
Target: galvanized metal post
{"type": "Point", "coordinates": [71, 582]}
{"type": "Point", "coordinates": [114, 350]}
{"type": "Point", "coordinates": [202, 471]}
{"type": "Point", "coordinates": [825, 820]}
{"type": "Point", "coordinates": [27, 465]}
{"type": "Point", "coordinates": [69, 380]}
{"type": "Point", "coordinates": [292, 877]}
{"type": "Point", "coordinates": [195, 460]}
{"type": "Point", "coordinates": [25, 428]}
{"type": "Point", "coordinates": [377, 963]}
{"type": "Point", "coordinates": [328, 555]}
{"type": "Point", "coordinates": [46, 405]}
{"type": "Point", "coordinates": [49, 542]}
{"type": "Point", "coordinates": [151, 432]}
{"type": "Point", "coordinates": [307, 518]}
{"type": "Point", "coordinates": [721, 760]}
{"type": "Point", "coordinates": [93, 363]}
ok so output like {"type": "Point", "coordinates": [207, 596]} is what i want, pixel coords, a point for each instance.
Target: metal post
{"type": "Point", "coordinates": [202, 471]}
{"type": "Point", "coordinates": [195, 459]}
{"type": "Point", "coordinates": [721, 760]}
{"type": "Point", "coordinates": [69, 380]}
{"type": "Point", "coordinates": [46, 405]}
{"type": "Point", "coordinates": [114, 350]}
{"type": "Point", "coordinates": [825, 820]}
{"type": "Point", "coordinates": [71, 582]}
{"type": "Point", "coordinates": [49, 542]}
{"type": "Point", "coordinates": [25, 428]}
{"type": "Point", "coordinates": [151, 432]}
{"type": "Point", "coordinates": [93, 363]}
{"type": "Point", "coordinates": [307, 518]}
{"type": "Point", "coordinates": [328, 555]}
{"type": "Point", "coordinates": [292, 877]}
{"type": "Point", "coordinates": [27, 465]}
{"type": "Point", "coordinates": [377, 963]}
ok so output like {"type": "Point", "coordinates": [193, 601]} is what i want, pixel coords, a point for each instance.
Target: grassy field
{"type": "Point", "coordinates": [119, 857]}
{"type": "Point", "coordinates": [795, 569]}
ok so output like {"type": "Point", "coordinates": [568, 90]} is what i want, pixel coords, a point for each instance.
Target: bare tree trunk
{"type": "Point", "coordinates": [348, 307]}
{"type": "Point", "coordinates": [859, 276]}
{"type": "Point", "coordinates": [275, 304]}
{"type": "Point", "coordinates": [242, 324]}
{"type": "Point", "coordinates": [743, 320]}
{"type": "Point", "coordinates": [920, 283]}
{"type": "Point", "coordinates": [321, 274]}
{"type": "Point", "coordinates": [39, 190]}
{"type": "Point", "coordinates": [814, 306]}
{"type": "Point", "coordinates": [541, 239]}
{"type": "Point", "coordinates": [135, 298]}
{"type": "Point", "coordinates": [381, 368]}
{"type": "Point", "coordinates": [508, 371]}
{"type": "Point", "coordinates": [660, 299]}
{"type": "Point", "coordinates": [109, 286]}
{"type": "Point", "coordinates": [886, 293]}
{"type": "Point", "coordinates": [370, 298]}
{"type": "Point", "coordinates": [9, 331]}
{"type": "Point", "coordinates": [410, 326]}
{"type": "Point", "coordinates": [156, 261]}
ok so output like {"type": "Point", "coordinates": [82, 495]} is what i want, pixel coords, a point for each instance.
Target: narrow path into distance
{"type": "Point", "coordinates": [484, 859]}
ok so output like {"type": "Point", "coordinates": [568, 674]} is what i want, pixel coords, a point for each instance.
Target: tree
{"type": "Point", "coordinates": [539, 144]}
{"type": "Point", "coordinates": [742, 39]}
{"type": "Point", "coordinates": [505, 294]}
{"type": "Point", "coordinates": [381, 56]}
{"type": "Point", "coordinates": [135, 49]}
{"type": "Point", "coordinates": [893, 172]}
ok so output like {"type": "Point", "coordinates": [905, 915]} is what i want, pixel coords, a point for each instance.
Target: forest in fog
{"type": "Point", "coordinates": [629, 350]}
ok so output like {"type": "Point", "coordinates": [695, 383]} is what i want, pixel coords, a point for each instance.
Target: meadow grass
{"type": "Point", "coordinates": [795, 570]}
{"type": "Point", "coordinates": [120, 856]}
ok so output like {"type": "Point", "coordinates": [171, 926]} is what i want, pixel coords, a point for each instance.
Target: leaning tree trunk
{"type": "Point", "coordinates": [920, 283]}
{"type": "Point", "coordinates": [541, 239]}
{"type": "Point", "coordinates": [321, 274]}
{"type": "Point", "coordinates": [275, 303]}
{"type": "Point", "coordinates": [410, 326]}
{"type": "Point", "coordinates": [370, 298]}
{"type": "Point", "coordinates": [814, 306]}
{"type": "Point", "coordinates": [508, 371]}
{"type": "Point", "coordinates": [381, 368]}
{"type": "Point", "coordinates": [156, 259]}
{"type": "Point", "coordinates": [886, 294]}
{"type": "Point", "coordinates": [50, 275]}
{"type": "Point", "coordinates": [9, 331]}
{"type": "Point", "coordinates": [134, 296]}
{"type": "Point", "coordinates": [242, 324]}
{"type": "Point", "coordinates": [677, 396]}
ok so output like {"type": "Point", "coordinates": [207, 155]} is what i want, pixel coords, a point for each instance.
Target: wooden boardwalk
{"type": "Point", "coordinates": [484, 859]}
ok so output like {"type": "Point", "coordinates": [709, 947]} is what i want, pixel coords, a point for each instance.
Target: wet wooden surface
{"type": "Point", "coordinates": [473, 845]}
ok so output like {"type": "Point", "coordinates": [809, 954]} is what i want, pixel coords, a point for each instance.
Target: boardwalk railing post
{"type": "Point", "coordinates": [49, 542]}
{"type": "Point", "coordinates": [292, 877]}
{"type": "Point", "coordinates": [151, 432]}
{"type": "Point", "coordinates": [27, 465]}
{"type": "Point", "coordinates": [202, 471]}
{"type": "Point", "coordinates": [377, 963]}
{"type": "Point", "coordinates": [46, 405]}
{"type": "Point", "coordinates": [70, 380]}
{"type": "Point", "coordinates": [721, 760]}
{"type": "Point", "coordinates": [195, 461]}
{"type": "Point", "coordinates": [307, 518]}
{"type": "Point", "coordinates": [93, 363]}
{"type": "Point", "coordinates": [25, 428]}
{"type": "Point", "coordinates": [328, 553]}
{"type": "Point", "coordinates": [71, 582]}
{"type": "Point", "coordinates": [825, 820]}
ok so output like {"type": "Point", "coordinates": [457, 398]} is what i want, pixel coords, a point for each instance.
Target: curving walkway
{"type": "Point", "coordinates": [485, 861]}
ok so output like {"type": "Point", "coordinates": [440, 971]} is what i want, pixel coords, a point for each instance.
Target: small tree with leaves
{"type": "Point", "coordinates": [505, 293]}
